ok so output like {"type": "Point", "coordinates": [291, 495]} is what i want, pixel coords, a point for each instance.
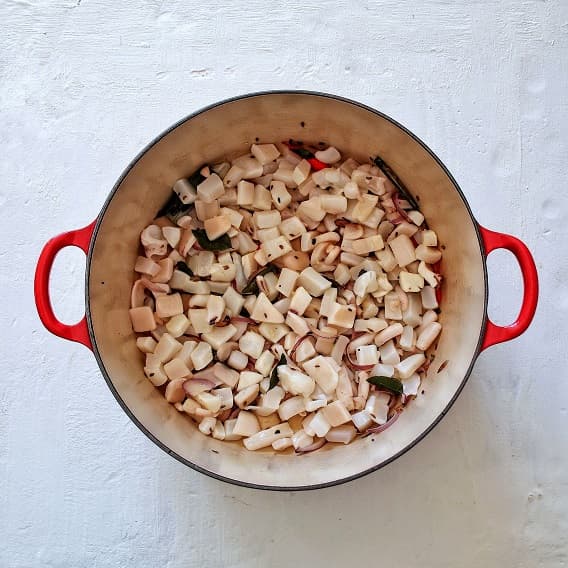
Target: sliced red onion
{"type": "Point", "coordinates": [438, 290]}
{"type": "Point", "coordinates": [355, 366]}
{"type": "Point", "coordinates": [209, 375]}
{"type": "Point", "coordinates": [400, 210]}
{"type": "Point", "coordinates": [193, 387]}
{"type": "Point", "coordinates": [224, 415]}
{"type": "Point", "coordinates": [440, 368]}
{"type": "Point", "coordinates": [397, 220]}
{"type": "Point", "coordinates": [137, 294]}
{"type": "Point", "coordinates": [312, 447]}
{"type": "Point", "coordinates": [262, 285]}
{"type": "Point", "coordinates": [242, 319]}
{"type": "Point", "coordinates": [156, 288]}
{"type": "Point", "coordinates": [193, 337]}
{"type": "Point", "coordinates": [383, 427]}
{"type": "Point", "coordinates": [355, 335]}
{"type": "Point", "coordinates": [297, 344]}
{"type": "Point", "coordinates": [322, 334]}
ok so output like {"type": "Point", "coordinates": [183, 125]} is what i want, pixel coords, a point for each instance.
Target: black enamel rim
{"type": "Point", "coordinates": [127, 409]}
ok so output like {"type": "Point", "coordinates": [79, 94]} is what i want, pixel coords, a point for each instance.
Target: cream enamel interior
{"type": "Point", "coordinates": [225, 131]}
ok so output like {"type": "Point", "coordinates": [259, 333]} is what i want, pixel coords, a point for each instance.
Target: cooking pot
{"type": "Point", "coordinates": [225, 130]}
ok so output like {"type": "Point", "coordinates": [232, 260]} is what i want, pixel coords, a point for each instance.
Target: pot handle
{"type": "Point", "coordinates": [495, 333]}
{"type": "Point", "coordinates": [79, 331]}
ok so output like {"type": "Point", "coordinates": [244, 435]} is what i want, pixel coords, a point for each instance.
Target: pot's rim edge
{"type": "Point", "coordinates": [127, 410]}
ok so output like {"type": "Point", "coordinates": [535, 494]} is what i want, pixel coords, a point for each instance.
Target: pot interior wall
{"type": "Point", "coordinates": [230, 129]}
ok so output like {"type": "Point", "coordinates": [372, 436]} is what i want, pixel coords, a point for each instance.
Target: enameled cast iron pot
{"type": "Point", "coordinates": [225, 130]}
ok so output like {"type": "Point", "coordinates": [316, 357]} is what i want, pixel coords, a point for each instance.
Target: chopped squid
{"type": "Point", "coordinates": [288, 299]}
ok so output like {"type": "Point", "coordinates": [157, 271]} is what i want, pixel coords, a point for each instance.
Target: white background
{"type": "Point", "coordinates": [84, 84]}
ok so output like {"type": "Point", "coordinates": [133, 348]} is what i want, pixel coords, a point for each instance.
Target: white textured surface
{"type": "Point", "coordinates": [84, 84]}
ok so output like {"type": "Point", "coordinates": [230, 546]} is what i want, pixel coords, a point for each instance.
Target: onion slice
{"type": "Point", "coordinates": [355, 335]}
{"type": "Point", "coordinates": [242, 319]}
{"type": "Point", "coordinates": [397, 220]}
{"type": "Point", "coordinates": [355, 366]}
{"type": "Point", "coordinates": [312, 447]}
{"type": "Point", "coordinates": [383, 427]}
{"type": "Point", "coordinates": [296, 345]}
{"type": "Point", "coordinates": [224, 415]}
{"type": "Point", "coordinates": [209, 375]}
{"type": "Point", "coordinates": [193, 387]}
{"type": "Point", "coordinates": [137, 294]}
{"type": "Point", "coordinates": [322, 334]}
{"type": "Point", "coordinates": [400, 210]}
{"type": "Point", "coordinates": [156, 288]}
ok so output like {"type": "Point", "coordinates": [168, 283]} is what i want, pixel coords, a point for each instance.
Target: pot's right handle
{"type": "Point", "coordinates": [495, 333]}
{"type": "Point", "coordinates": [81, 239]}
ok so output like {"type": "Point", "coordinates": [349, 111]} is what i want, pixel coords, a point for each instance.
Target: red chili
{"type": "Point", "coordinates": [316, 164]}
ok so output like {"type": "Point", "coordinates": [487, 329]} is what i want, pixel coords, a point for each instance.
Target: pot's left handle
{"type": "Point", "coordinates": [81, 239]}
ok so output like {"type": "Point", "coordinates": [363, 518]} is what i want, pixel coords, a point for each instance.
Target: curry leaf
{"type": "Point", "coordinates": [303, 153]}
{"type": "Point", "coordinates": [252, 287]}
{"type": "Point", "coordinates": [182, 267]}
{"type": "Point", "coordinates": [274, 375]}
{"type": "Point", "coordinates": [222, 243]}
{"type": "Point", "coordinates": [196, 178]}
{"type": "Point", "coordinates": [388, 383]}
{"type": "Point", "coordinates": [334, 284]}
{"type": "Point", "coordinates": [173, 209]}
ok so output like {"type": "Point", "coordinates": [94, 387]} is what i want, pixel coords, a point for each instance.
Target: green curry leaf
{"type": "Point", "coordinates": [387, 383]}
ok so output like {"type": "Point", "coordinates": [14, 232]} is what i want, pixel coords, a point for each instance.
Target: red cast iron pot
{"type": "Point", "coordinates": [225, 130]}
